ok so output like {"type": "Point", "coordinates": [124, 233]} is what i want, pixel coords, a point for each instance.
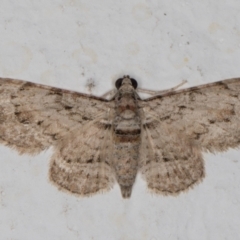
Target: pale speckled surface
{"type": "Point", "coordinates": [69, 43]}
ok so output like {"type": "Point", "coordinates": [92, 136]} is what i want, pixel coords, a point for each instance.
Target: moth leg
{"type": "Point", "coordinates": [151, 92]}
{"type": "Point", "coordinates": [110, 93]}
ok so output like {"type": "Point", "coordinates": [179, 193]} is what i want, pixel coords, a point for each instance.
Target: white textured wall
{"type": "Point", "coordinates": [66, 43]}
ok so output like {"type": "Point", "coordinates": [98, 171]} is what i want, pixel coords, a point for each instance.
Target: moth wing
{"type": "Point", "coordinates": [209, 114]}
{"type": "Point", "coordinates": [82, 162]}
{"type": "Point", "coordinates": [169, 162]}
{"type": "Point", "coordinates": [33, 116]}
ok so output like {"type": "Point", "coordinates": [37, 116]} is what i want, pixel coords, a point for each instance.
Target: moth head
{"type": "Point", "coordinates": [126, 80]}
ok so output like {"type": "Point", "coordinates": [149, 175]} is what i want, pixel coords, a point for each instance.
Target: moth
{"type": "Point", "coordinates": [97, 141]}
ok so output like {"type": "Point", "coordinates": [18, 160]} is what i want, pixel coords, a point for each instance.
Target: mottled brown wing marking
{"type": "Point", "coordinates": [168, 161]}
{"type": "Point", "coordinates": [175, 128]}
{"type": "Point", "coordinates": [82, 163]}
{"type": "Point", "coordinates": [33, 116]}
{"type": "Point", "coordinates": [209, 114]}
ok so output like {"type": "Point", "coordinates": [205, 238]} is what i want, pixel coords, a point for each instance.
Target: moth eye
{"type": "Point", "coordinates": [118, 83]}
{"type": "Point", "coordinates": [134, 83]}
